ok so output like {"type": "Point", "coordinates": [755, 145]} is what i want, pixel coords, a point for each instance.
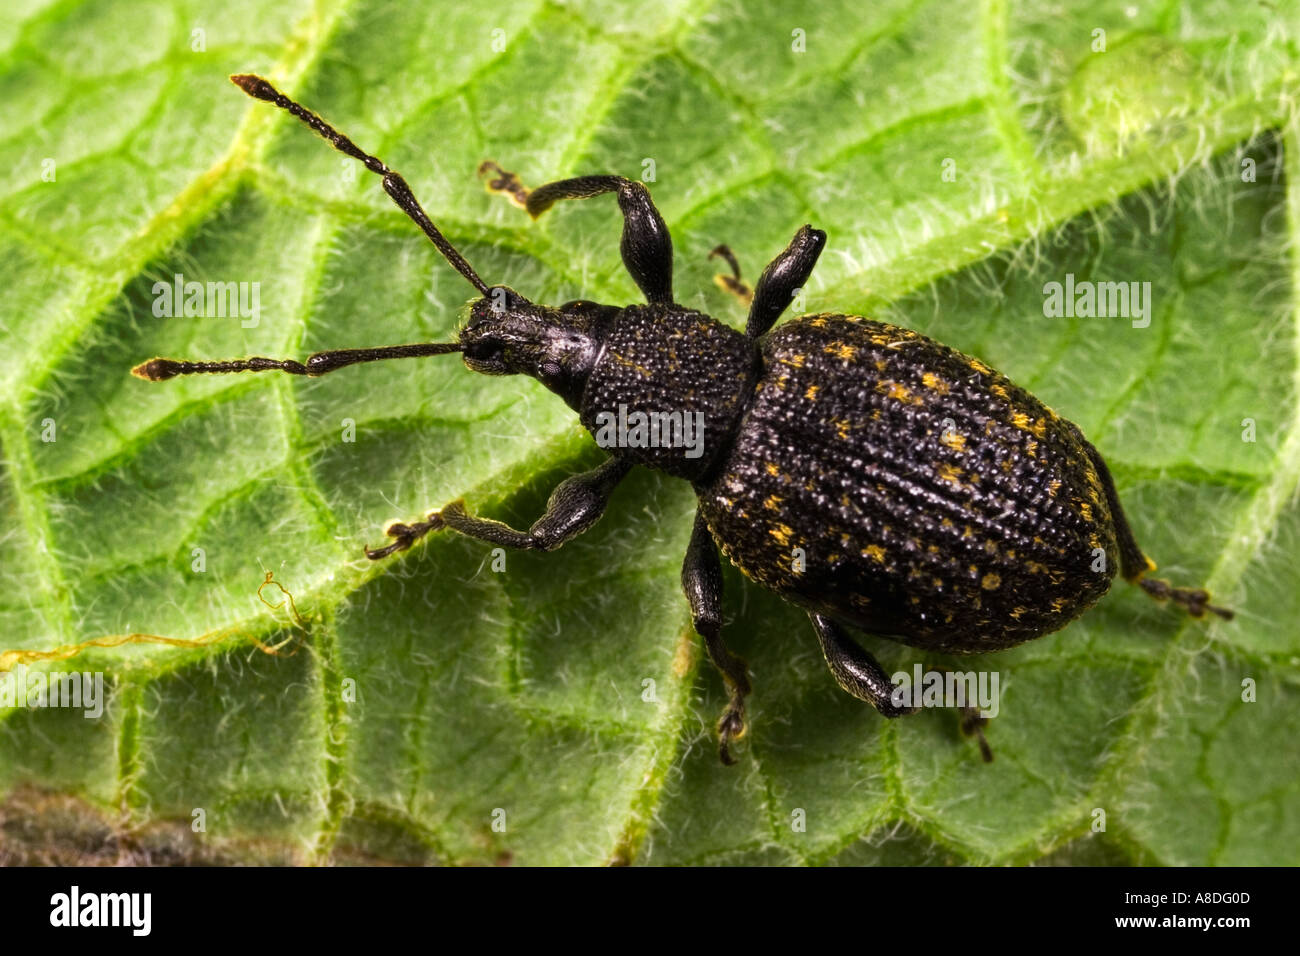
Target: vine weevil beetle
{"type": "Point", "coordinates": [934, 501]}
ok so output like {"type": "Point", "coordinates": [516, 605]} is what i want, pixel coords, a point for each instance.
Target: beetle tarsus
{"type": "Point", "coordinates": [733, 283]}
{"type": "Point", "coordinates": [1195, 601]}
{"type": "Point", "coordinates": [405, 535]}
{"type": "Point", "coordinates": [972, 725]}
{"type": "Point", "coordinates": [731, 727]}
{"type": "Point", "coordinates": [504, 183]}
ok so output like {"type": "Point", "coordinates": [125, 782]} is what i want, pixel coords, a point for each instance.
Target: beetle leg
{"type": "Point", "coordinates": [647, 247]}
{"type": "Point", "coordinates": [1134, 565]}
{"type": "Point", "coordinates": [855, 670]}
{"type": "Point", "coordinates": [574, 506]}
{"type": "Point", "coordinates": [972, 724]}
{"type": "Point", "coordinates": [732, 283]}
{"type": "Point", "coordinates": [783, 279]}
{"type": "Point", "coordinates": [702, 582]}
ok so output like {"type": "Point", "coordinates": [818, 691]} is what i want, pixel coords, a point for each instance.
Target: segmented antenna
{"type": "Point", "coordinates": [394, 184]}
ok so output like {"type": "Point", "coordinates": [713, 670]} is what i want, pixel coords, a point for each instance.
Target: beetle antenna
{"type": "Point", "coordinates": [394, 184]}
{"type": "Point", "coordinates": [161, 369]}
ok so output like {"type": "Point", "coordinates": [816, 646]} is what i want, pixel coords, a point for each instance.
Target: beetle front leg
{"type": "Point", "coordinates": [647, 247]}
{"type": "Point", "coordinates": [702, 582]}
{"type": "Point", "coordinates": [782, 279]}
{"type": "Point", "coordinates": [574, 506]}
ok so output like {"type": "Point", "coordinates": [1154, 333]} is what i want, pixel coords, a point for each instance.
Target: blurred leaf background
{"type": "Point", "coordinates": [423, 698]}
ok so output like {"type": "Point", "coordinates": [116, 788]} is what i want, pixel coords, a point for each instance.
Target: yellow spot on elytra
{"type": "Point", "coordinates": [841, 426]}
{"type": "Point", "coordinates": [980, 367]}
{"type": "Point", "coordinates": [772, 469]}
{"type": "Point", "coordinates": [772, 502]}
{"type": "Point", "coordinates": [954, 441]}
{"type": "Point", "coordinates": [1059, 604]}
{"type": "Point", "coordinates": [934, 383]}
{"type": "Point", "coordinates": [898, 392]}
{"type": "Point", "coordinates": [841, 350]}
{"type": "Point", "coordinates": [991, 582]}
{"type": "Point", "coordinates": [1085, 509]}
{"type": "Point", "coordinates": [881, 365]}
{"type": "Point", "coordinates": [796, 360]}
{"type": "Point", "coordinates": [782, 533]}
{"type": "Point", "coordinates": [946, 523]}
{"type": "Point", "coordinates": [1017, 612]}
{"type": "Point", "coordinates": [1031, 449]}
{"type": "Point", "coordinates": [1000, 391]}
{"type": "Point", "coordinates": [1053, 488]}
{"type": "Point", "coordinates": [811, 394]}
{"type": "Point", "coordinates": [875, 552]}
{"type": "Point", "coordinates": [966, 532]}
{"type": "Point", "coordinates": [949, 472]}
{"type": "Point", "coordinates": [1034, 567]}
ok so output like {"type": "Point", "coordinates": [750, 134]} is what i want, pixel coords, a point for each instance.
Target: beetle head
{"type": "Point", "coordinates": [507, 334]}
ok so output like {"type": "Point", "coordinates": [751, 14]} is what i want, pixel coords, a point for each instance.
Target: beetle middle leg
{"type": "Point", "coordinates": [855, 670]}
{"type": "Point", "coordinates": [702, 582]}
{"type": "Point", "coordinates": [646, 246]}
{"type": "Point", "coordinates": [574, 506]}
{"type": "Point", "coordinates": [859, 674]}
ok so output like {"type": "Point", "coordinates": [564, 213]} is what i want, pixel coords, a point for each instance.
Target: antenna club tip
{"type": "Point", "coordinates": [254, 86]}
{"type": "Point", "coordinates": [156, 370]}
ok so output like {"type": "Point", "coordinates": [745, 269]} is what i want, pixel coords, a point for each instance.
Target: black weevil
{"type": "Point", "coordinates": [867, 474]}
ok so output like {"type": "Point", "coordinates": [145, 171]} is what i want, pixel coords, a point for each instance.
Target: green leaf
{"type": "Point", "coordinates": [422, 699]}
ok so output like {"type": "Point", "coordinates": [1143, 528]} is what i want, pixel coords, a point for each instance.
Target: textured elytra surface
{"type": "Point", "coordinates": [523, 690]}
{"type": "Point", "coordinates": [926, 497]}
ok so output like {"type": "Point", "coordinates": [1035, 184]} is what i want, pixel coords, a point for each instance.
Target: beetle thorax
{"type": "Point", "coordinates": [669, 388]}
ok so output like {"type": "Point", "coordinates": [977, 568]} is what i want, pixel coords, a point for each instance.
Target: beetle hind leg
{"type": "Point", "coordinates": [702, 582]}
{"type": "Point", "coordinates": [1134, 565]}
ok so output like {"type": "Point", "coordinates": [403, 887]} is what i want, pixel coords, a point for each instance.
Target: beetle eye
{"type": "Point", "coordinates": [483, 350]}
